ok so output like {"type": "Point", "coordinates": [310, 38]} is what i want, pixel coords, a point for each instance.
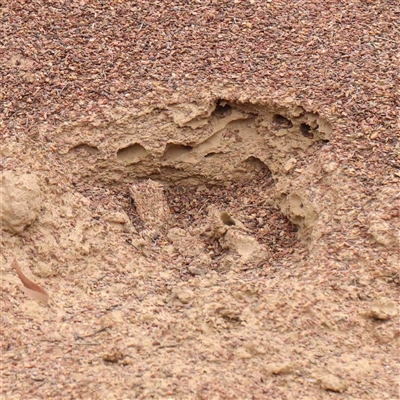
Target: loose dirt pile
{"type": "Point", "coordinates": [208, 191]}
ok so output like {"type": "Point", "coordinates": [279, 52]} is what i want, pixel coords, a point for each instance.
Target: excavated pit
{"type": "Point", "coordinates": [212, 164]}
{"type": "Point", "coordinates": [209, 144]}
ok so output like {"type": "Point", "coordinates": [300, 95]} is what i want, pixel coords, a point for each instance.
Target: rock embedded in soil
{"type": "Point", "coordinates": [20, 201]}
{"type": "Point", "coordinates": [279, 368]}
{"type": "Point", "coordinates": [382, 232]}
{"type": "Point", "coordinates": [184, 296]}
{"type": "Point", "coordinates": [383, 310]}
{"type": "Point", "coordinates": [333, 383]}
{"type": "Point", "coordinates": [244, 245]}
{"type": "Point", "coordinates": [113, 356]}
{"type": "Point", "coordinates": [151, 205]}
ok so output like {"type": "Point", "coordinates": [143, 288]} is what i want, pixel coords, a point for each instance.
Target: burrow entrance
{"type": "Point", "coordinates": [209, 144]}
{"type": "Point", "coordinates": [214, 168]}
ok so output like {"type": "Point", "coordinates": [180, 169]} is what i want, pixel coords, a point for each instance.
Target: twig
{"type": "Point", "coordinates": [59, 92]}
{"type": "Point", "coordinates": [92, 334]}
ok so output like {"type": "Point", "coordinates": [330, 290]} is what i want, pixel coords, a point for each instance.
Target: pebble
{"type": "Point", "coordinates": [333, 383]}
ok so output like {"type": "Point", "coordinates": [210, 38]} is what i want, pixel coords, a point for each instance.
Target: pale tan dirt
{"type": "Point", "coordinates": [209, 192]}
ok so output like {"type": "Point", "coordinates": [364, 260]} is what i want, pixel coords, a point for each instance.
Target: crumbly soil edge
{"type": "Point", "coordinates": [228, 232]}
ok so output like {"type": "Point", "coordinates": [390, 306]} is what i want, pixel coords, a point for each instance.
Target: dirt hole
{"type": "Point", "coordinates": [85, 148]}
{"type": "Point", "coordinates": [222, 109]}
{"type": "Point", "coordinates": [132, 154]}
{"type": "Point", "coordinates": [257, 164]}
{"type": "Point", "coordinates": [282, 121]}
{"type": "Point", "coordinates": [221, 157]}
{"type": "Point", "coordinates": [227, 219]}
{"type": "Point", "coordinates": [212, 154]}
{"type": "Point", "coordinates": [248, 202]}
{"type": "Point", "coordinates": [305, 130]}
{"type": "Point", "coordinates": [173, 151]}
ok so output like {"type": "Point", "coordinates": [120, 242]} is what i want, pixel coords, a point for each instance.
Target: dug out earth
{"type": "Point", "coordinates": [206, 197]}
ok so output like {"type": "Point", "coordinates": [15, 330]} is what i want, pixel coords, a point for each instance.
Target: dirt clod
{"type": "Point", "coordinates": [20, 201]}
{"type": "Point", "coordinates": [383, 309]}
{"type": "Point", "coordinates": [333, 383]}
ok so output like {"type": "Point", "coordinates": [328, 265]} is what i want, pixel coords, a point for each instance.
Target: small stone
{"type": "Point", "coordinates": [113, 356]}
{"type": "Point", "coordinates": [333, 383]}
{"type": "Point", "coordinates": [243, 353]}
{"type": "Point", "coordinates": [242, 244]}
{"type": "Point", "coordinates": [38, 378]}
{"type": "Point", "coordinates": [117, 217]}
{"type": "Point", "coordinates": [151, 205]}
{"type": "Point", "coordinates": [289, 165]}
{"type": "Point", "coordinates": [20, 201]}
{"type": "Point", "coordinates": [197, 270]}
{"type": "Point", "coordinates": [278, 368]}
{"type": "Point", "coordinates": [383, 310]}
{"type": "Point", "coordinates": [185, 296]}
{"type": "Point", "coordinates": [117, 316]}
{"type": "Point", "coordinates": [382, 233]}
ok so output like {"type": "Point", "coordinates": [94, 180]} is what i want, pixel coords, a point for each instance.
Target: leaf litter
{"type": "Point", "coordinates": [31, 289]}
{"type": "Point", "coordinates": [157, 331]}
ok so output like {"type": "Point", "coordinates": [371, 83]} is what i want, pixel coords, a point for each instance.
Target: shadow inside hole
{"type": "Point", "coordinates": [256, 164]}
{"type": "Point", "coordinates": [227, 219]}
{"type": "Point", "coordinates": [131, 154]}
{"type": "Point", "coordinates": [173, 150]}
{"type": "Point", "coordinates": [83, 147]}
{"type": "Point", "coordinates": [305, 130]}
{"type": "Point", "coordinates": [222, 109]}
{"type": "Point", "coordinates": [282, 122]}
{"type": "Point", "coordinates": [212, 154]}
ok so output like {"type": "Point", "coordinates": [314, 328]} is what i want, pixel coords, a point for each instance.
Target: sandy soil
{"type": "Point", "coordinates": [208, 192]}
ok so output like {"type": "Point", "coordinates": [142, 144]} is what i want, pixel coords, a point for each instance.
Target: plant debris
{"type": "Point", "coordinates": [31, 289]}
{"type": "Point", "coordinates": [143, 313]}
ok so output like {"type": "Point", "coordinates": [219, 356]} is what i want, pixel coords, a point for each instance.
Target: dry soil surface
{"type": "Point", "coordinates": [209, 193]}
